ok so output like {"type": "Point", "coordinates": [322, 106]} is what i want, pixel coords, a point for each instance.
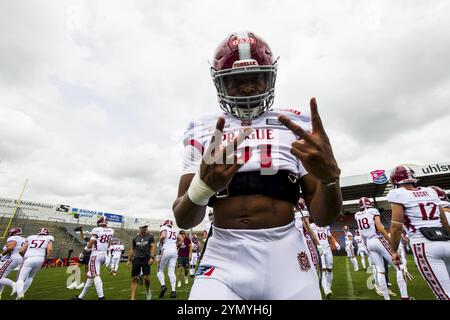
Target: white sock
{"type": "Point", "coordinates": [19, 287]}
{"type": "Point", "coordinates": [402, 285]}
{"type": "Point", "coordinates": [324, 280]}
{"type": "Point", "coordinates": [87, 285]}
{"type": "Point", "coordinates": [98, 286]}
{"type": "Point", "coordinates": [27, 284]}
{"type": "Point", "coordinates": [5, 282]}
{"type": "Point", "coordinates": [160, 276]}
{"type": "Point", "coordinates": [363, 262]}
{"type": "Point", "coordinates": [383, 285]}
{"type": "Point", "coordinates": [172, 277]}
{"type": "Point", "coordinates": [329, 278]}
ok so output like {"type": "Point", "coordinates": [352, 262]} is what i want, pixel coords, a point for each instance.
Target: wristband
{"type": "Point", "coordinates": [199, 192]}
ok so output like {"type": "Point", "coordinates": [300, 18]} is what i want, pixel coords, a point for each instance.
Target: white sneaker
{"type": "Point", "coordinates": [179, 284]}
{"type": "Point", "coordinates": [73, 285]}
{"type": "Point", "coordinates": [80, 286]}
{"type": "Point", "coordinates": [14, 289]}
{"type": "Point", "coordinates": [148, 294]}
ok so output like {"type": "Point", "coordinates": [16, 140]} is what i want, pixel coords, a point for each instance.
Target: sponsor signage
{"type": "Point", "coordinates": [379, 176]}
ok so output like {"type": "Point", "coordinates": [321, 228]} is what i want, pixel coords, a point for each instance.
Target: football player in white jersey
{"type": "Point", "coordinates": [350, 249]}
{"type": "Point", "coordinates": [445, 204]}
{"type": "Point", "coordinates": [98, 245]}
{"type": "Point", "coordinates": [117, 250]}
{"type": "Point", "coordinates": [208, 224]}
{"type": "Point", "coordinates": [195, 254]}
{"type": "Point", "coordinates": [302, 224]}
{"type": "Point", "coordinates": [377, 241]}
{"type": "Point", "coordinates": [11, 258]}
{"type": "Point", "coordinates": [419, 209]}
{"type": "Point", "coordinates": [249, 162]}
{"type": "Point", "coordinates": [35, 250]}
{"type": "Point", "coordinates": [362, 249]}
{"type": "Point", "coordinates": [325, 238]}
{"type": "Point", "coordinates": [168, 245]}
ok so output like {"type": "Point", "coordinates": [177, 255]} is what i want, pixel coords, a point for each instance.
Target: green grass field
{"type": "Point", "coordinates": [50, 284]}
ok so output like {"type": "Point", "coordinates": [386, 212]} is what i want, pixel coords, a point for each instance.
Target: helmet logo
{"type": "Point", "coordinates": [250, 40]}
{"type": "Point", "coordinates": [245, 63]}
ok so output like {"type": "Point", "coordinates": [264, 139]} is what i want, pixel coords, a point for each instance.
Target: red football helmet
{"type": "Point", "coordinates": [244, 53]}
{"type": "Point", "coordinates": [403, 175]}
{"type": "Point", "coordinates": [102, 222]}
{"type": "Point", "coordinates": [44, 232]}
{"type": "Point", "coordinates": [440, 192]}
{"type": "Point", "coordinates": [168, 223]}
{"type": "Point", "coordinates": [15, 231]}
{"type": "Point", "coordinates": [364, 203]}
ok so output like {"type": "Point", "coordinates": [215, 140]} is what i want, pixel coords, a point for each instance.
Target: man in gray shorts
{"type": "Point", "coordinates": [142, 255]}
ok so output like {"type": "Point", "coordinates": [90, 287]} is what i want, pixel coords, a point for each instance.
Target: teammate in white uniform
{"type": "Point", "coordinates": [302, 224]}
{"type": "Point", "coordinates": [362, 249]}
{"type": "Point", "coordinates": [169, 253]}
{"type": "Point", "coordinates": [254, 181]}
{"type": "Point", "coordinates": [350, 249]}
{"type": "Point", "coordinates": [117, 250]}
{"type": "Point", "coordinates": [377, 241]}
{"type": "Point", "coordinates": [108, 258]}
{"type": "Point", "coordinates": [445, 204]}
{"type": "Point", "coordinates": [208, 224]}
{"type": "Point", "coordinates": [427, 227]}
{"type": "Point", "coordinates": [11, 258]}
{"type": "Point", "coordinates": [325, 238]}
{"type": "Point", "coordinates": [98, 245]}
{"type": "Point", "coordinates": [195, 254]}
{"type": "Point", "coordinates": [36, 249]}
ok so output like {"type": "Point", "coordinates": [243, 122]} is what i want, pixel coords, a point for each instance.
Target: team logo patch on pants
{"type": "Point", "coordinates": [303, 261]}
{"type": "Point", "coordinates": [205, 271]}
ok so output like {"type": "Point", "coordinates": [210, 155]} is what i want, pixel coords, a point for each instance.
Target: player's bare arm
{"type": "Point", "coordinates": [23, 249]}
{"type": "Point", "coordinates": [152, 252]}
{"type": "Point", "coordinates": [444, 220]}
{"type": "Point", "coordinates": [49, 249]}
{"type": "Point", "coordinates": [130, 256]}
{"type": "Point", "coordinates": [398, 213]}
{"type": "Point", "coordinates": [9, 247]}
{"type": "Point", "coordinates": [331, 240]}
{"type": "Point", "coordinates": [215, 174]}
{"type": "Point", "coordinates": [321, 186]}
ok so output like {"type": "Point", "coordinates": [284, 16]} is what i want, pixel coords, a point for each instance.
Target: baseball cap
{"type": "Point", "coordinates": [143, 225]}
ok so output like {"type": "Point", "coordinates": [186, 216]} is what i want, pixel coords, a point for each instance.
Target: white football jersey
{"type": "Point", "coordinates": [360, 242]}
{"type": "Point", "coordinates": [102, 237]}
{"type": "Point", "coordinates": [348, 238]}
{"type": "Point", "coordinates": [266, 149]}
{"type": "Point", "coordinates": [118, 248]}
{"type": "Point", "coordinates": [298, 221]}
{"type": "Point", "coordinates": [365, 219]}
{"type": "Point", "coordinates": [20, 241]}
{"type": "Point", "coordinates": [170, 241]}
{"type": "Point", "coordinates": [322, 234]}
{"type": "Point", "coordinates": [446, 204]}
{"type": "Point", "coordinates": [421, 210]}
{"type": "Point", "coordinates": [37, 245]}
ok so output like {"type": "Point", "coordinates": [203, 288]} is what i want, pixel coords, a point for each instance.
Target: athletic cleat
{"type": "Point", "coordinates": [179, 284]}
{"type": "Point", "coordinates": [148, 294]}
{"type": "Point", "coordinates": [163, 291]}
{"type": "Point", "coordinates": [186, 280]}
{"type": "Point", "coordinates": [76, 298]}
{"type": "Point", "coordinates": [391, 293]}
{"type": "Point", "coordinates": [80, 286]}
{"type": "Point", "coordinates": [173, 294]}
{"type": "Point", "coordinates": [14, 289]}
{"type": "Point", "coordinates": [328, 294]}
{"type": "Point", "coordinates": [20, 297]}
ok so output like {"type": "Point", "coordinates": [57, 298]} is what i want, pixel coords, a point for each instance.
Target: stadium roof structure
{"type": "Point", "coordinates": [376, 185]}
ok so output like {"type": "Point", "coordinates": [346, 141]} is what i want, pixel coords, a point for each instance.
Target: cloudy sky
{"type": "Point", "coordinates": [95, 95]}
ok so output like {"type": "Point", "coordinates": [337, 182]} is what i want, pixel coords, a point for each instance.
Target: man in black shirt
{"type": "Point", "coordinates": [142, 255]}
{"type": "Point", "coordinates": [83, 257]}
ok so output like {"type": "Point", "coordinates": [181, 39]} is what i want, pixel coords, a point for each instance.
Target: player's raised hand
{"type": "Point", "coordinates": [219, 164]}
{"type": "Point", "coordinates": [396, 258]}
{"type": "Point", "coordinates": [314, 149]}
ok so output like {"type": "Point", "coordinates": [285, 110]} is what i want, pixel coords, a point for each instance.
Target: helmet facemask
{"type": "Point", "coordinates": [245, 107]}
